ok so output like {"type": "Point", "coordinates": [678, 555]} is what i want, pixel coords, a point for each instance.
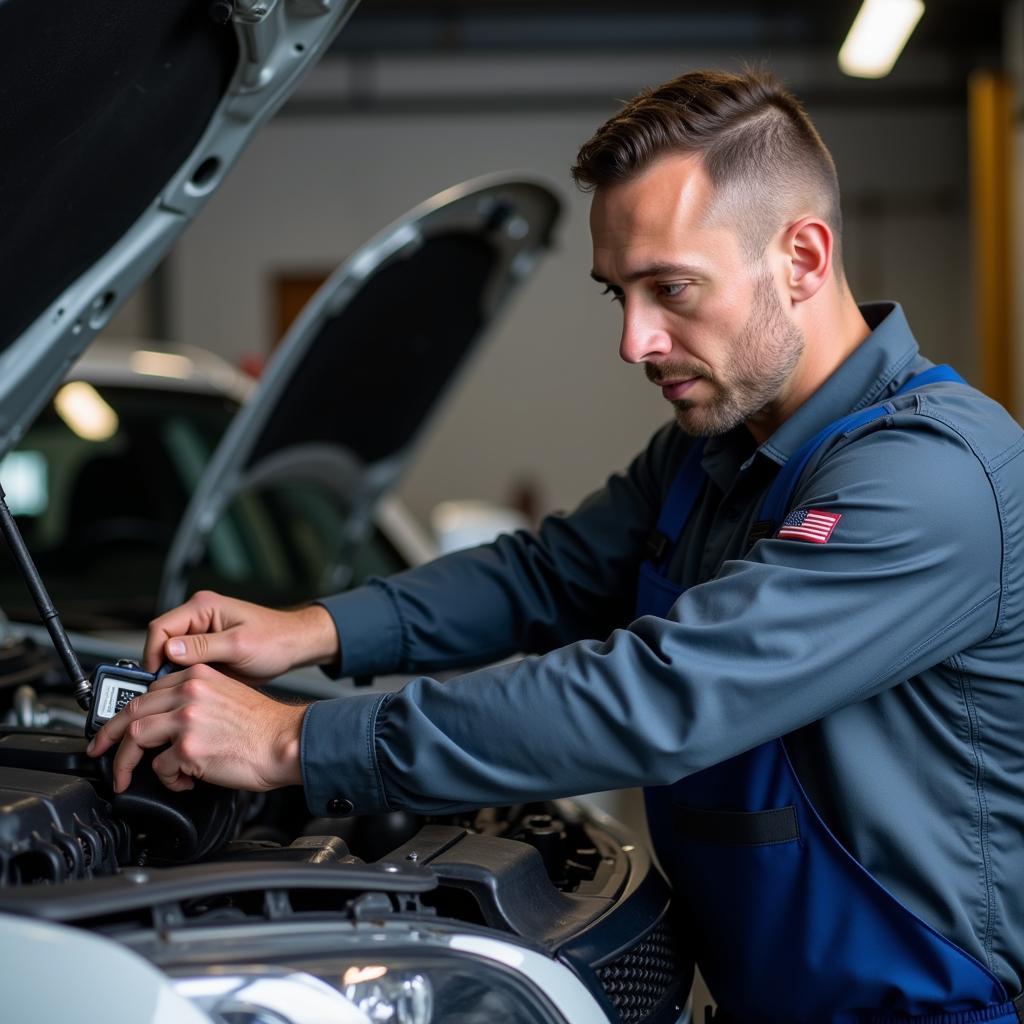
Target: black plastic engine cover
{"type": "Point", "coordinates": [55, 827]}
{"type": "Point", "coordinates": [166, 827]}
{"type": "Point", "coordinates": [21, 747]}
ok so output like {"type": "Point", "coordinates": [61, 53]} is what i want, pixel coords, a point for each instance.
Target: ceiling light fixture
{"type": "Point", "coordinates": [878, 35]}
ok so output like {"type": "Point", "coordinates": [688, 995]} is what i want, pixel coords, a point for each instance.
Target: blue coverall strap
{"type": "Point", "coordinates": [936, 375]}
{"type": "Point", "coordinates": [776, 502]}
{"type": "Point", "coordinates": [679, 502]}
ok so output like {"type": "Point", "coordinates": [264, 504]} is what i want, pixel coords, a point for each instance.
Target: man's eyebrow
{"type": "Point", "coordinates": [651, 270]}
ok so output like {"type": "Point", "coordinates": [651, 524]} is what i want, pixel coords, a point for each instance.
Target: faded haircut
{"type": "Point", "coordinates": [763, 155]}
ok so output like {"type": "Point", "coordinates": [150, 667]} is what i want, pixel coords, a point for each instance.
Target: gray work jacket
{"type": "Point", "coordinates": [892, 656]}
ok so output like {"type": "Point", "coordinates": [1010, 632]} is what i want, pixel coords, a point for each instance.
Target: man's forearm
{"type": "Point", "coordinates": [527, 593]}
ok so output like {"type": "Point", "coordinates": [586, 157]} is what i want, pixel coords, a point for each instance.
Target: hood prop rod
{"type": "Point", "coordinates": [51, 620]}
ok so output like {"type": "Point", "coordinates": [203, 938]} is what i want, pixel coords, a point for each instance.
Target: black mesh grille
{"type": "Point", "coordinates": [641, 977]}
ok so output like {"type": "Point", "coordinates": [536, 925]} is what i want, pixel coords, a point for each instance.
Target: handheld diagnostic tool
{"type": "Point", "coordinates": [111, 687]}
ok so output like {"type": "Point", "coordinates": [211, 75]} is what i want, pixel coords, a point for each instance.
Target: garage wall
{"type": "Point", "coordinates": [132, 319]}
{"type": "Point", "coordinates": [547, 399]}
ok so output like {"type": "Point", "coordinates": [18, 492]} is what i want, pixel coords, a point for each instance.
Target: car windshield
{"type": "Point", "coordinates": [99, 485]}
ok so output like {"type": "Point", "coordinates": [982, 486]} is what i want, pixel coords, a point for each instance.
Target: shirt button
{"type": "Point", "coordinates": [340, 807]}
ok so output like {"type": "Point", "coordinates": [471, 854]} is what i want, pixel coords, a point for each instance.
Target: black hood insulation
{"type": "Point", "coordinates": [100, 104]}
{"type": "Point", "coordinates": [390, 353]}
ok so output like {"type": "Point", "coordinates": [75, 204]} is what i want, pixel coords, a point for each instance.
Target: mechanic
{"type": "Point", "coordinates": [818, 675]}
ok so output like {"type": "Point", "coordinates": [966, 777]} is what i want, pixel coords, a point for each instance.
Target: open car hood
{"type": "Point", "coordinates": [117, 123]}
{"type": "Point", "coordinates": [365, 363]}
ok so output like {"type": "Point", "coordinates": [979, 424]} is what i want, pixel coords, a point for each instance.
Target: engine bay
{"type": "Point", "coordinates": [147, 860]}
{"type": "Point", "coordinates": [60, 819]}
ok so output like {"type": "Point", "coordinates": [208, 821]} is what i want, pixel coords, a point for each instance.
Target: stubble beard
{"type": "Point", "coordinates": [763, 356]}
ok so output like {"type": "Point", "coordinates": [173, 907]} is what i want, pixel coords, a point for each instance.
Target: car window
{"type": "Point", "coordinates": [104, 491]}
{"type": "Point", "coordinates": [99, 485]}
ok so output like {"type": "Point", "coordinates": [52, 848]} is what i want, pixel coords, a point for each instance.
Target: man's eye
{"type": "Point", "coordinates": [613, 292]}
{"type": "Point", "coordinates": [673, 289]}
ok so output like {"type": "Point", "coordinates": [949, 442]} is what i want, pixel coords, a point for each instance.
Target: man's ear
{"type": "Point", "coordinates": [807, 245]}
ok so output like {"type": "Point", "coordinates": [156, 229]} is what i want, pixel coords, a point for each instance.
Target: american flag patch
{"type": "Point", "coordinates": [810, 524]}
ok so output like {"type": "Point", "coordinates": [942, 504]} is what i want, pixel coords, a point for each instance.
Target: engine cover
{"type": "Point", "coordinates": [55, 827]}
{"type": "Point", "coordinates": [163, 827]}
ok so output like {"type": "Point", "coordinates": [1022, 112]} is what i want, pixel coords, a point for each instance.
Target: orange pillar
{"type": "Point", "coordinates": [990, 116]}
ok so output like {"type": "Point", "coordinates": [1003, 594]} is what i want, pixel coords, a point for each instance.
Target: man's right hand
{"type": "Point", "coordinates": [246, 640]}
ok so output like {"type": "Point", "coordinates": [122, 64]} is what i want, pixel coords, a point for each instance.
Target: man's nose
{"type": "Point", "coordinates": [643, 336]}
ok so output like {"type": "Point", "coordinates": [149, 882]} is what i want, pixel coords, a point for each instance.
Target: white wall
{"type": "Point", "coordinates": [547, 397]}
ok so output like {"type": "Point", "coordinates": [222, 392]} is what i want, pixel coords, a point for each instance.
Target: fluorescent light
{"type": "Point", "coordinates": [85, 412]}
{"type": "Point", "coordinates": [161, 364]}
{"type": "Point", "coordinates": [878, 35]}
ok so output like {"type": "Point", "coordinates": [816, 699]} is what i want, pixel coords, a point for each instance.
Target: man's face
{"type": "Point", "coordinates": [706, 322]}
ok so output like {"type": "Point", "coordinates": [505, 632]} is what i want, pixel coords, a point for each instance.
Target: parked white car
{"type": "Point", "coordinates": [102, 478]}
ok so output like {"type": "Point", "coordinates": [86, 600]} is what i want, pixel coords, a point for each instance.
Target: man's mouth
{"type": "Point", "coordinates": [673, 390]}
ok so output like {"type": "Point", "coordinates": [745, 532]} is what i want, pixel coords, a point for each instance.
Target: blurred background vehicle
{"type": "Point", "coordinates": [102, 478]}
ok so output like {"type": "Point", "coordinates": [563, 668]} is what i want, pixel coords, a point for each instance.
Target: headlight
{"type": "Point", "coordinates": [383, 994]}
{"type": "Point", "coordinates": [422, 990]}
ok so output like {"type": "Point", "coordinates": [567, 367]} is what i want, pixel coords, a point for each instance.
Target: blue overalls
{"type": "Point", "coordinates": [786, 926]}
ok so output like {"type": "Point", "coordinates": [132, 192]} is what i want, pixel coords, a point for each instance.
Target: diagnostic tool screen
{"type": "Point", "coordinates": [115, 695]}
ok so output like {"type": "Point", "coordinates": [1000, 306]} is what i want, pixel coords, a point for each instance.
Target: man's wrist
{"type": "Point", "coordinates": [286, 749]}
{"type": "Point", "coordinates": [319, 644]}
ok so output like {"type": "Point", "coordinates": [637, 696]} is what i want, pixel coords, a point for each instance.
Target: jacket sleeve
{"type": "Point", "coordinates": [525, 592]}
{"type": "Point", "coordinates": [777, 640]}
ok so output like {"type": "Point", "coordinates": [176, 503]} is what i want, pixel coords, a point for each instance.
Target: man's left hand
{"type": "Point", "coordinates": [214, 727]}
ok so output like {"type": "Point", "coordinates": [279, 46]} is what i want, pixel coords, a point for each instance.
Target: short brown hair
{"type": "Point", "coordinates": [759, 147]}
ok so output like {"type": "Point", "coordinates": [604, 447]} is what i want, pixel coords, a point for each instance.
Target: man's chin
{"type": "Point", "coordinates": [702, 421]}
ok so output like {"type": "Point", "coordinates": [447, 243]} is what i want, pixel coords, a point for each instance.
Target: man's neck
{"type": "Point", "coordinates": [833, 329]}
